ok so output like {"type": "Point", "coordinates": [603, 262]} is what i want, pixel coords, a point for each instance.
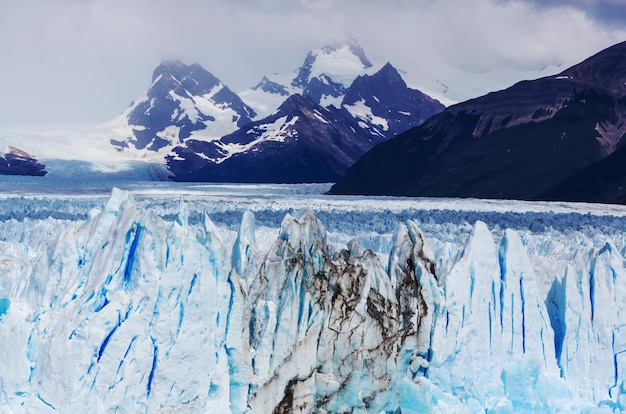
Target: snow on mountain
{"type": "Point", "coordinates": [339, 63]}
{"type": "Point", "coordinates": [147, 304]}
{"type": "Point", "coordinates": [182, 100]}
{"type": "Point", "coordinates": [334, 76]}
{"type": "Point", "coordinates": [451, 85]}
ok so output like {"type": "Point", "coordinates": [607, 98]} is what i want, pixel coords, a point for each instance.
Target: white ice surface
{"type": "Point", "coordinates": [202, 297]}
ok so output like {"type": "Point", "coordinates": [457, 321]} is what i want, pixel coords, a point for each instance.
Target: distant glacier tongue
{"type": "Point", "coordinates": [128, 309]}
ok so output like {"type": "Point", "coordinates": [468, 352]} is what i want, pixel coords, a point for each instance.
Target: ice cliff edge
{"type": "Point", "coordinates": [130, 312]}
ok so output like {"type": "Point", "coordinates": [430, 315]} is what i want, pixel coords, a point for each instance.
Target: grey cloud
{"type": "Point", "coordinates": [605, 12]}
{"type": "Point", "coordinates": [85, 60]}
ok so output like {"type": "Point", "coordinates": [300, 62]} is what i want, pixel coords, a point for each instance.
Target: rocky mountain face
{"type": "Point", "coordinates": [603, 181]}
{"type": "Point", "coordinates": [384, 105]}
{"type": "Point", "coordinates": [524, 142]}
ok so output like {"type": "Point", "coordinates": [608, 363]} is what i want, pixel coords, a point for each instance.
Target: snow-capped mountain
{"type": "Point", "coordinates": [524, 142]}
{"type": "Point", "coordinates": [300, 142]}
{"type": "Point", "coordinates": [182, 100]}
{"type": "Point", "coordinates": [205, 131]}
{"type": "Point", "coordinates": [324, 76]}
{"type": "Point", "coordinates": [342, 76]}
{"type": "Point", "coordinates": [149, 305]}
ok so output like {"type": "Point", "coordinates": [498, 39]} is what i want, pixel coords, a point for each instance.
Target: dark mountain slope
{"type": "Point", "coordinates": [516, 143]}
{"type": "Point", "coordinates": [18, 162]}
{"type": "Point", "coordinates": [604, 181]}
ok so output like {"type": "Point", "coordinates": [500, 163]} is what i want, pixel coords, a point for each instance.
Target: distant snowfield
{"type": "Point", "coordinates": [67, 142]}
{"type": "Point", "coordinates": [199, 297]}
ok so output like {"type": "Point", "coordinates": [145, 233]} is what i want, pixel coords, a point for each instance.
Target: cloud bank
{"type": "Point", "coordinates": [84, 60]}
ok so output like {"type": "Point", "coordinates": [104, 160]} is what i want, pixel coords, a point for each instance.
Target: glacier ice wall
{"type": "Point", "coordinates": [126, 309]}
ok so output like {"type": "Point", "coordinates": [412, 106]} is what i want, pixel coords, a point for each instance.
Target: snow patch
{"type": "Point", "coordinates": [319, 117]}
{"type": "Point", "coordinates": [361, 111]}
{"type": "Point", "coordinates": [279, 131]}
{"type": "Point", "coordinates": [329, 100]}
{"type": "Point", "coordinates": [188, 107]}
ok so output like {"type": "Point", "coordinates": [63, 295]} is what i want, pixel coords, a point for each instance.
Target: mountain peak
{"type": "Point", "coordinates": [180, 71]}
{"type": "Point", "coordinates": [181, 100]}
{"type": "Point", "coordinates": [270, 86]}
{"type": "Point", "coordinates": [168, 66]}
{"type": "Point", "coordinates": [371, 99]}
{"type": "Point", "coordinates": [173, 64]}
{"type": "Point", "coordinates": [606, 69]}
{"type": "Point", "coordinates": [389, 71]}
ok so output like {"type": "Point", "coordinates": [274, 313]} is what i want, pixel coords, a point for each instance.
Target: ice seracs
{"type": "Point", "coordinates": [133, 309]}
{"type": "Point", "coordinates": [587, 307]}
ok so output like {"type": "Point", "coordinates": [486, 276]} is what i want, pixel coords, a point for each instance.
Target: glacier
{"type": "Point", "coordinates": [259, 299]}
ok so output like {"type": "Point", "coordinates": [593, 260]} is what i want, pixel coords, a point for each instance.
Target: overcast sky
{"type": "Point", "coordinates": [80, 61]}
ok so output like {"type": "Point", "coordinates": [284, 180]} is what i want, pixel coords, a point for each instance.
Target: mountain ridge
{"type": "Point", "coordinates": [373, 108]}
